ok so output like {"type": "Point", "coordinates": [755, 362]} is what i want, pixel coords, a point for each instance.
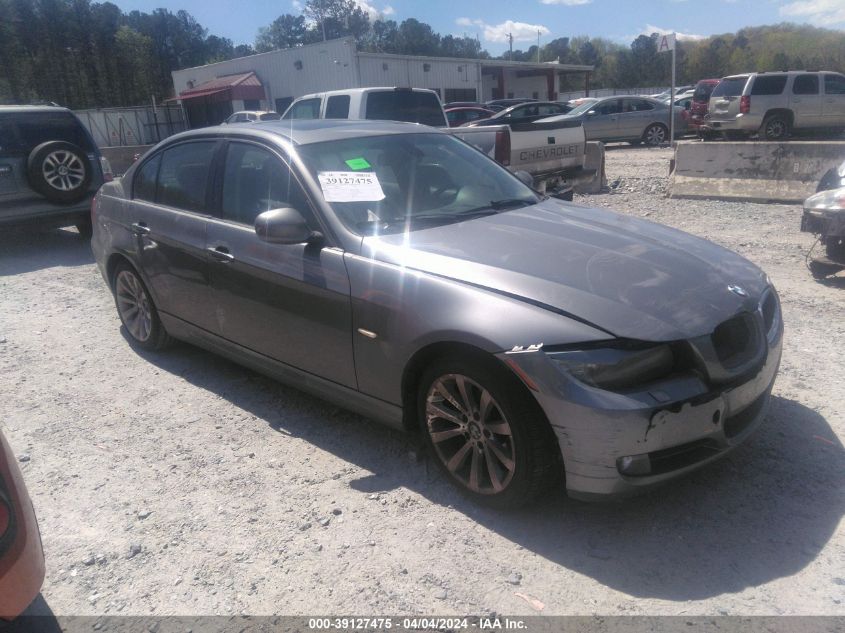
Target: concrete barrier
{"type": "Point", "coordinates": [121, 157]}
{"type": "Point", "coordinates": [755, 171]}
{"type": "Point", "coordinates": [593, 161]}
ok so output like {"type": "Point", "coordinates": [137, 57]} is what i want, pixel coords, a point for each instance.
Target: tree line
{"type": "Point", "coordinates": [85, 54]}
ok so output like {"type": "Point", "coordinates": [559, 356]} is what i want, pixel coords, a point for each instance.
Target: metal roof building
{"type": "Point", "coordinates": [272, 80]}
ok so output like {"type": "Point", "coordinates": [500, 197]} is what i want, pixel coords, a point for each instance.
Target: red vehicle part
{"type": "Point", "coordinates": [701, 101]}
{"type": "Point", "coordinates": [21, 553]}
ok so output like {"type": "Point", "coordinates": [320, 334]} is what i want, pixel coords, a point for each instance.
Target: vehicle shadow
{"type": "Point", "coordinates": [38, 618]}
{"type": "Point", "coordinates": [764, 512]}
{"type": "Point", "coordinates": [23, 251]}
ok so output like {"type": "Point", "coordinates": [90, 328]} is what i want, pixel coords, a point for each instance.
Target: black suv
{"type": "Point", "coordinates": [50, 168]}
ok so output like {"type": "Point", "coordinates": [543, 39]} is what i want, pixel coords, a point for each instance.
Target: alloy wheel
{"type": "Point", "coordinates": [470, 434]}
{"type": "Point", "coordinates": [775, 129]}
{"type": "Point", "coordinates": [133, 305]}
{"type": "Point", "coordinates": [63, 170]}
{"type": "Point", "coordinates": [655, 135]}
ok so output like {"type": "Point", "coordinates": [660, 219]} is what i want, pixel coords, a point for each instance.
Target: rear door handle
{"type": "Point", "coordinates": [220, 253]}
{"type": "Point", "coordinates": [140, 228]}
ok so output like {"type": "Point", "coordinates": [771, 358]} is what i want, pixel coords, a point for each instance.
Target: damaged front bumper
{"type": "Point", "coordinates": [616, 444]}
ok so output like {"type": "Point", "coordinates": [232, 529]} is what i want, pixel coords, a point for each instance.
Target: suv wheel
{"type": "Point", "coordinates": [59, 171]}
{"type": "Point", "coordinates": [655, 134]}
{"type": "Point", "coordinates": [137, 311]}
{"type": "Point", "coordinates": [775, 128]}
{"type": "Point", "coordinates": [487, 435]}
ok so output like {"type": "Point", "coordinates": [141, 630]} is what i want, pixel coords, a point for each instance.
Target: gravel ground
{"type": "Point", "coordinates": [180, 483]}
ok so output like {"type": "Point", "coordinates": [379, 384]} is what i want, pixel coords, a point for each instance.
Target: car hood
{"type": "Point", "coordinates": [630, 277]}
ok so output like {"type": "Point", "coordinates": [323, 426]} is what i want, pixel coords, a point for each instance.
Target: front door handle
{"type": "Point", "coordinates": [140, 228]}
{"type": "Point", "coordinates": [220, 253]}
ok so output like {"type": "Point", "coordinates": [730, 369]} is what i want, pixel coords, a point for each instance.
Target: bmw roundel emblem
{"type": "Point", "coordinates": [738, 291]}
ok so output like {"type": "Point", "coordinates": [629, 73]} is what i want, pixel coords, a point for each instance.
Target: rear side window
{"type": "Point", "coordinates": [834, 84]}
{"type": "Point", "coordinates": [337, 107]}
{"type": "Point", "coordinates": [405, 105]}
{"type": "Point", "coordinates": [731, 87]}
{"type": "Point", "coordinates": [768, 85]}
{"type": "Point", "coordinates": [806, 85]}
{"type": "Point", "coordinates": [703, 92]}
{"type": "Point", "coordinates": [145, 180]}
{"type": "Point", "coordinates": [636, 105]}
{"type": "Point", "coordinates": [306, 109]}
{"type": "Point", "coordinates": [35, 128]}
{"type": "Point", "coordinates": [183, 175]}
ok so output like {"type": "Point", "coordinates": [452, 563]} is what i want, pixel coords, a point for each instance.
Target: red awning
{"type": "Point", "coordinates": [227, 88]}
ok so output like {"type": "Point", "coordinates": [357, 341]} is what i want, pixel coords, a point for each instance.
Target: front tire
{"type": "Point", "coordinates": [655, 134]}
{"type": "Point", "coordinates": [486, 433]}
{"type": "Point", "coordinates": [137, 311]}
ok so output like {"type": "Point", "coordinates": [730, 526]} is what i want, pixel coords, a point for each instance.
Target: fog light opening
{"type": "Point", "coordinates": [717, 417]}
{"type": "Point", "coordinates": [634, 465]}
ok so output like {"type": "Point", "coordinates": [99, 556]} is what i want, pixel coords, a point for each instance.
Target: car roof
{"type": "Point", "coordinates": [32, 108]}
{"type": "Point", "coordinates": [307, 131]}
{"type": "Point", "coordinates": [351, 91]}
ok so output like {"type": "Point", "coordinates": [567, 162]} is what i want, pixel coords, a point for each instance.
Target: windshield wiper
{"type": "Point", "coordinates": [510, 203]}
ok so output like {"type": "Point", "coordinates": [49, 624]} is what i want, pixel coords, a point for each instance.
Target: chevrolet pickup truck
{"type": "Point", "coordinates": [552, 153]}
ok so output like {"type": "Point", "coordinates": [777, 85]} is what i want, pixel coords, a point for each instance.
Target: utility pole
{"type": "Point", "coordinates": [538, 46]}
{"type": "Point", "coordinates": [510, 41]}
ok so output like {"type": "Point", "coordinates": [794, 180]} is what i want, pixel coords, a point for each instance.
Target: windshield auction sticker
{"type": "Point", "coordinates": [350, 186]}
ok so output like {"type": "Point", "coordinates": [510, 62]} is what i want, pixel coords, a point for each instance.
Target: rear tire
{"type": "Point", "coordinates": [655, 135]}
{"type": "Point", "coordinates": [486, 433]}
{"type": "Point", "coordinates": [136, 310]}
{"type": "Point", "coordinates": [776, 127]}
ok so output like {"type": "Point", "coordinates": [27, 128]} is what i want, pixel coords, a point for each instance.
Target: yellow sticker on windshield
{"type": "Point", "coordinates": [358, 163]}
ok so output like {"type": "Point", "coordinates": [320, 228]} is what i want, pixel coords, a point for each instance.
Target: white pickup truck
{"type": "Point", "coordinates": [552, 153]}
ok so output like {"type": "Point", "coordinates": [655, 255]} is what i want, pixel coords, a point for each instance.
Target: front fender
{"type": "Point", "coordinates": [402, 311]}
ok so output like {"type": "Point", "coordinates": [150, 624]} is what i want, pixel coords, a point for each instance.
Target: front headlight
{"type": "Point", "coordinates": [830, 200]}
{"type": "Point", "coordinates": [613, 369]}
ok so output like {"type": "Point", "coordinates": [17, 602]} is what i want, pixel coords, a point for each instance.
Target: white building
{"type": "Point", "coordinates": [270, 81]}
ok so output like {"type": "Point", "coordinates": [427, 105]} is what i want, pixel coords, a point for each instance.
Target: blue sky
{"type": "Point", "coordinates": [491, 20]}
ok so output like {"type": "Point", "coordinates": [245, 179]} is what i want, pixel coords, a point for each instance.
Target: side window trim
{"type": "Point", "coordinates": [219, 168]}
{"type": "Point", "coordinates": [209, 188]}
{"type": "Point", "coordinates": [139, 169]}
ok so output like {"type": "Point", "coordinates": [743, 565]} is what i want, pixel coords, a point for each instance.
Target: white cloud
{"type": "Point", "coordinates": [297, 5]}
{"type": "Point", "coordinates": [819, 12]}
{"type": "Point", "coordinates": [650, 28]}
{"type": "Point", "coordinates": [568, 3]}
{"type": "Point", "coordinates": [372, 11]}
{"type": "Point", "coordinates": [521, 31]}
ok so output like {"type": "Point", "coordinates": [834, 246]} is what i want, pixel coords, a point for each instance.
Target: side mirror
{"type": "Point", "coordinates": [591, 113]}
{"type": "Point", "coordinates": [283, 226]}
{"type": "Point", "coordinates": [524, 177]}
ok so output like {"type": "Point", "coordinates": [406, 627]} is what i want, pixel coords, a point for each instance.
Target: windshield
{"type": "Point", "coordinates": [404, 182]}
{"type": "Point", "coordinates": [584, 106]}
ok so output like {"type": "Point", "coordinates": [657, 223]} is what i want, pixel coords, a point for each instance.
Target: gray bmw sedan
{"type": "Point", "coordinates": [398, 272]}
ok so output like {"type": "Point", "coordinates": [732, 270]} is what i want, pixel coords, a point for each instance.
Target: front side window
{"type": "Point", "coordinates": [394, 183]}
{"type": "Point", "coordinates": [184, 174]}
{"type": "Point", "coordinates": [806, 85]}
{"type": "Point", "coordinates": [145, 180]}
{"type": "Point", "coordinates": [254, 181]}
{"type": "Point", "coordinates": [768, 85]}
{"type": "Point", "coordinates": [608, 107]}
{"type": "Point", "coordinates": [834, 84]}
{"type": "Point", "coordinates": [305, 109]}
